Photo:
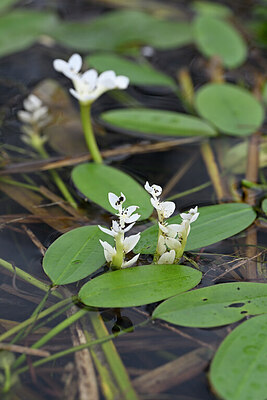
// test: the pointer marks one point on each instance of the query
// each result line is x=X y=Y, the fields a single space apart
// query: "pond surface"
x=162 y=360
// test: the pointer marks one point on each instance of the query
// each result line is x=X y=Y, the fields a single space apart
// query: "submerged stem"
x=89 y=133
x=58 y=181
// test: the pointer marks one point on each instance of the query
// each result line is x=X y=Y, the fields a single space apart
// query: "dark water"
x=148 y=347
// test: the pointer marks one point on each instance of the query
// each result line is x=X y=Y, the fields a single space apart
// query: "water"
x=22 y=236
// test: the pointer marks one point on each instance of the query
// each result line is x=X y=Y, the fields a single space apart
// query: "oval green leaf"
x=235 y=160
x=233 y=110
x=215 y=37
x=135 y=286
x=95 y=181
x=139 y=74
x=214 y=305
x=214 y=223
x=264 y=206
x=92 y=35
x=239 y=368
x=211 y=9
x=157 y=122
x=20 y=29
x=75 y=255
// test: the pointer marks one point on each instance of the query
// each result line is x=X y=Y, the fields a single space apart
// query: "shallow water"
x=157 y=343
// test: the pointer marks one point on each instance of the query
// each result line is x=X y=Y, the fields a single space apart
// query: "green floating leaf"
x=215 y=37
x=5 y=4
x=233 y=110
x=128 y=28
x=235 y=160
x=264 y=206
x=158 y=122
x=75 y=255
x=20 y=29
x=214 y=223
x=139 y=74
x=211 y=9
x=214 y=305
x=95 y=181
x=135 y=286
x=239 y=368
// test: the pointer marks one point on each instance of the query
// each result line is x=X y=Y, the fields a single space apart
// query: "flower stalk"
x=88 y=86
x=34 y=118
x=115 y=256
x=85 y=110
x=171 y=237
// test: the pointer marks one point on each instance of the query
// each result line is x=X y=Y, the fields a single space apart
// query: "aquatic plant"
x=171 y=237
x=88 y=86
x=115 y=256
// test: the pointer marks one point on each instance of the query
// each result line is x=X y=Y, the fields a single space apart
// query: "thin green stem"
x=193 y=190
x=30 y=320
x=78 y=348
x=58 y=181
x=27 y=277
x=89 y=133
x=52 y=333
x=35 y=313
x=20 y=184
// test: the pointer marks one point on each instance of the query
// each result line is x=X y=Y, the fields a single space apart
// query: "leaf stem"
x=89 y=133
x=27 y=277
x=52 y=333
x=58 y=181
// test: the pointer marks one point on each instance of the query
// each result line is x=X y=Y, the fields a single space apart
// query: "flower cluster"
x=115 y=256
x=172 y=237
x=88 y=86
x=35 y=116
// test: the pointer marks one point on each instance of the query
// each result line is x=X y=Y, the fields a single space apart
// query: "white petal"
x=130 y=210
x=161 y=245
x=155 y=203
x=112 y=198
x=167 y=258
x=25 y=116
x=168 y=208
x=157 y=190
x=109 y=251
x=163 y=228
x=77 y=95
x=116 y=227
x=194 y=217
x=173 y=244
x=128 y=228
x=174 y=229
x=130 y=242
x=130 y=262
x=40 y=113
x=107 y=79
x=107 y=231
x=132 y=218
x=32 y=102
x=60 y=65
x=75 y=62
x=185 y=216
x=148 y=187
x=122 y=82
x=90 y=77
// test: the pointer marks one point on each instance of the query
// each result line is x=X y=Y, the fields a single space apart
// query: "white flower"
x=69 y=68
x=132 y=261
x=126 y=215
x=191 y=215
x=109 y=251
x=116 y=255
x=167 y=258
x=89 y=86
x=164 y=208
x=35 y=113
